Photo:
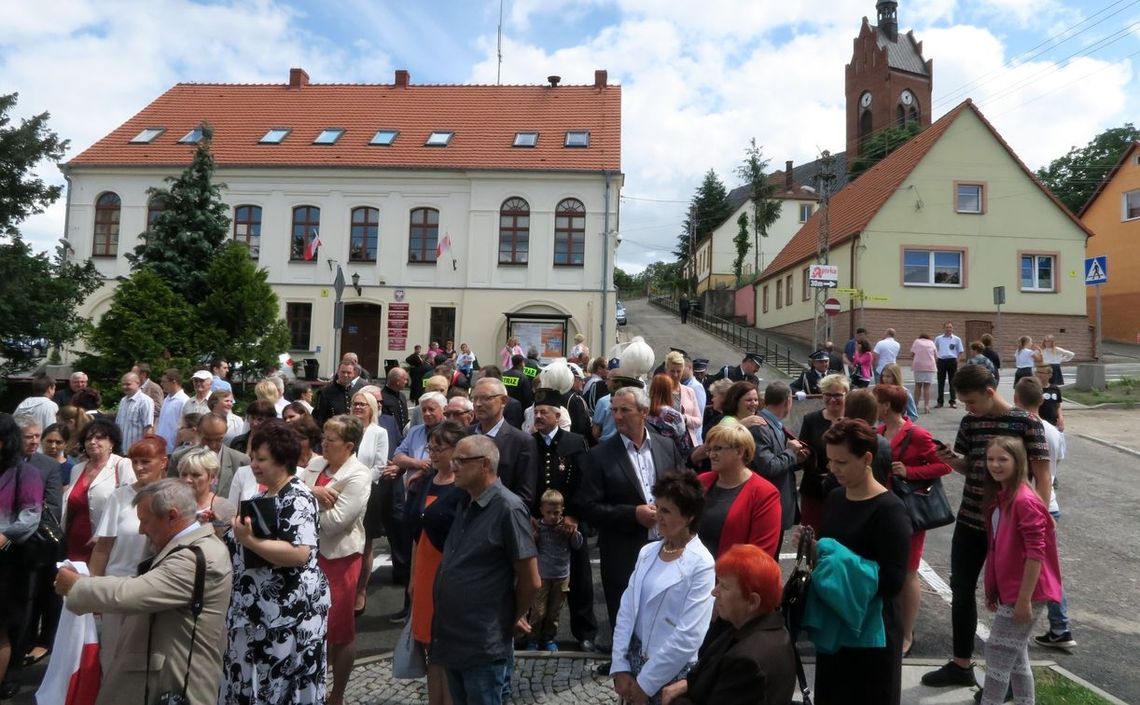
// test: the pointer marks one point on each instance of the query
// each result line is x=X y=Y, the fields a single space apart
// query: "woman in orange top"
x=431 y=510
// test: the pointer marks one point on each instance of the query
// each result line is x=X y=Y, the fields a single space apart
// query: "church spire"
x=888 y=18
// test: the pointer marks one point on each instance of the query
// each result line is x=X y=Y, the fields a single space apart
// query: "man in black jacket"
x=392 y=401
x=336 y=397
x=519 y=382
x=518 y=468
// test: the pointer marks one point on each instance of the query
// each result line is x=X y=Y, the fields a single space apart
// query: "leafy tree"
x=742 y=244
x=624 y=281
x=147 y=322
x=191 y=229
x=765 y=208
x=239 y=315
x=1074 y=177
x=709 y=208
x=880 y=145
x=21 y=148
x=664 y=276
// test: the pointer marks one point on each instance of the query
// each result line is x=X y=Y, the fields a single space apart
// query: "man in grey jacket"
x=778 y=455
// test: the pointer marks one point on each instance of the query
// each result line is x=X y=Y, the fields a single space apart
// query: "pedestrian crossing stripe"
x=1094 y=273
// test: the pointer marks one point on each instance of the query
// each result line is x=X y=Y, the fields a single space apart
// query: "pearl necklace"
x=671 y=551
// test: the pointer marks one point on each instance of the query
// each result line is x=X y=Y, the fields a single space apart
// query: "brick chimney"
x=298 y=78
x=402 y=78
x=601 y=77
x=788 y=175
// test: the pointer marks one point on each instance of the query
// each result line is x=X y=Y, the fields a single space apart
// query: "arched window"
x=900 y=116
x=913 y=118
x=365 y=232
x=305 y=242
x=154 y=208
x=247 y=228
x=864 y=126
x=107 y=210
x=423 y=235
x=570 y=233
x=514 y=231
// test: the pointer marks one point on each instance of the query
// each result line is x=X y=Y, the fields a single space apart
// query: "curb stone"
x=1110 y=444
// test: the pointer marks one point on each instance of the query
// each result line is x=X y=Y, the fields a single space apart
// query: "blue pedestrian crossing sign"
x=1096 y=270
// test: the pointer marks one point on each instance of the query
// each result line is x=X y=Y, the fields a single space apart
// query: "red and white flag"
x=73 y=674
x=312 y=245
x=443 y=245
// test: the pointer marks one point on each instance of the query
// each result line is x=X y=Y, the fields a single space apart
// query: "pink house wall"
x=745 y=303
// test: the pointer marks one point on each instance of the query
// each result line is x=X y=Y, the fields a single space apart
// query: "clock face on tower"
x=865 y=101
x=907 y=97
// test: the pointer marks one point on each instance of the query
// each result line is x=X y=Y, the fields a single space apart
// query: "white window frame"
x=1037 y=257
x=931 y=253
x=805 y=212
x=525 y=139
x=148 y=135
x=1135 y=195
x=577 y=139
x=439 y=138
x=958 y=198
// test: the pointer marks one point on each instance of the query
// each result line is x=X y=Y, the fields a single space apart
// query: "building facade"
x=462 y=213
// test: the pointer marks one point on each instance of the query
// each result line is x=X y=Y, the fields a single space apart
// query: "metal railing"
x=747 y=339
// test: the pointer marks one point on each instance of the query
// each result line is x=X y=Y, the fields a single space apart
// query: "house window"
x=1131 y=205
x=788 y=290
x=526 y=139
x=154 y=208
x=570 y=233
x=970 y=198
x=514 y=231
x=779 y=294
x=384 y=138
x=1038 y=272
x=439 y=139
x=365 y=231
x=299 y=318
x=441 y=324
x=148 y=135
x=932 y=268
x=764 y=299
x=805 y=212
x=329 y=136
x=247 y=228
x=107 y=210
x=193 y=136
x=577 y=138
x=305 y=241
x=806 y=284
x=274 y=136
x=423 y=235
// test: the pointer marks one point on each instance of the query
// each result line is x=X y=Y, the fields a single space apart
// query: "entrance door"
x=974 y=331
x=361 y=335
x=442 y=327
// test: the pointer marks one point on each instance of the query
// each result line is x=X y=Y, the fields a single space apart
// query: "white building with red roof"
x=463 y=212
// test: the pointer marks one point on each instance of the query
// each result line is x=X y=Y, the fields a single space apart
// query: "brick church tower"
x=888 y=82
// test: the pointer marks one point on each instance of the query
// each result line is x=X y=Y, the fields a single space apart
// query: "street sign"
x=1096 y=270
x=338 y=283
x=831 y=307
x=999 y=295
x=823 y=276
x=338 y=315
x=849 y=292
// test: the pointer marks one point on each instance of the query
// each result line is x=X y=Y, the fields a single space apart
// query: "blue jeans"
x=485 y=684
x=1059 y=611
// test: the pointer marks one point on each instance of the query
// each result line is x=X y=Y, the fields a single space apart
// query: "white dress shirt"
x=135 y=414
x=170 y=418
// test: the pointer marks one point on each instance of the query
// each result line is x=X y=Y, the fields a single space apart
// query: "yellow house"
x=1113 y=213
x=926 y=235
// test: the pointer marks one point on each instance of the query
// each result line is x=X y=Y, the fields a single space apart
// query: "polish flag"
x=313 y=244
x=73 y=674
x=443 y=245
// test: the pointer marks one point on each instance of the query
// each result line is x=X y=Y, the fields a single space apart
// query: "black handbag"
x=795 y=597
x=925 y=500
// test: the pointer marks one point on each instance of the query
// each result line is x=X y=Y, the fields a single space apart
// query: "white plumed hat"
x=636 y=357
x=557 y=375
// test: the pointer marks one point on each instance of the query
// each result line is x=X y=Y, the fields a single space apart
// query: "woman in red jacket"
x=914 y=457
x=740 y=506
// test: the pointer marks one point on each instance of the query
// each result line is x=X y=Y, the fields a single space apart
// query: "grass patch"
x=1054 y=689
x=1125 y=391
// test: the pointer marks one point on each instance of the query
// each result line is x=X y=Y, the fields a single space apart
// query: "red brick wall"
x=1072 y=332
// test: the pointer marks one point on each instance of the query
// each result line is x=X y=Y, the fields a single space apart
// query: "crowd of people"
x=489 y=489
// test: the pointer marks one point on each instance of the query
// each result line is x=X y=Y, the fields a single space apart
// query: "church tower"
x=888 y=82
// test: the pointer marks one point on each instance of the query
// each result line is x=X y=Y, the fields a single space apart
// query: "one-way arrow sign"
x=1096 y=270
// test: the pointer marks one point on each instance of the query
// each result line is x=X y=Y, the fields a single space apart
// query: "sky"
x=699 y=79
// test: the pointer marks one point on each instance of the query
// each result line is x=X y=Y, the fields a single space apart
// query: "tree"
x=742 y=244
x=21 y=149
x=239 y=316
x=664 y=277
x=879 y=145
x=190 y=231
x=765 y=209
x=623 y=281
x=1074 y=177
x=708 y=209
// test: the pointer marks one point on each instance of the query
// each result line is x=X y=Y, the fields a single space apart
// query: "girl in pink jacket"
x=1022 y=570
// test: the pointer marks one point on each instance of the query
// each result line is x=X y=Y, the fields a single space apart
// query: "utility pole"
x=692 y=252
x=499 y=68
x=821 y=331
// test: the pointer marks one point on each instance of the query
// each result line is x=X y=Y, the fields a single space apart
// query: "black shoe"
x=398 y=617
x=938 y=405
x=588 y=646
x=603 y=669
x=1008 y=695
x=950 y=674
x=1056 y=641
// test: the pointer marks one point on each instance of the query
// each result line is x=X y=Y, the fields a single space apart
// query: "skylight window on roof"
x=384 y=138
x=148 y=135
x=329 y=136
x=192 y=137
x=526 y=139
x=275 y=136
x=577 y=138
x=439 y=139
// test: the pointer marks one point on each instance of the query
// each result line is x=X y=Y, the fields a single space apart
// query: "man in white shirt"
x=199 y=403
x=136 y=411
x=949 y=348
x=149 y=387
x=40 y=406
x=885 y=353
x=170 y=416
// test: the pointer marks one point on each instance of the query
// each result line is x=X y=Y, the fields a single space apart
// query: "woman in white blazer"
x=341 y=485
x=373 y=448
x=92 y=483
x=667 y=607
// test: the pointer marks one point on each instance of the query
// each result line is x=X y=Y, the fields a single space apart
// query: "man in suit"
x=561 y=455
x=616 y=492
x=211 y=431
x=336 y=397
x=157 y=603
x=518 y=467
x=391 y=400
x=777 y=455
x=746 y=371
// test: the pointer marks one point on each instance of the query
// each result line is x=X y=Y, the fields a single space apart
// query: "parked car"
x=621 y=318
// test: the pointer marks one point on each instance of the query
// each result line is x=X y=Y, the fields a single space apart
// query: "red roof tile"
x=853 y=207
x=483 y=118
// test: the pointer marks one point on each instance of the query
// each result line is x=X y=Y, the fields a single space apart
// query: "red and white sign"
x=398 y=314
x=823 y=276
x=831 y=307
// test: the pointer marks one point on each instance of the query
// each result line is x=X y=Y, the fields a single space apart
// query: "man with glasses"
x=460 y=410
x=517 y=466
x=487 y=578
x=211 y=432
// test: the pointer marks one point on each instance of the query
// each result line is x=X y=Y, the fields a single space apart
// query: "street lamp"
x=356 y=283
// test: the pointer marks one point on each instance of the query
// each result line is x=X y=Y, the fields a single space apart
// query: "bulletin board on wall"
x=546 y=332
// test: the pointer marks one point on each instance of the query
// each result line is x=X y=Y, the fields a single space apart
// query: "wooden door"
x=361 y=335
x=974 y=331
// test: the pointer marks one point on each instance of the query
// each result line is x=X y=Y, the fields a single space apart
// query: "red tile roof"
x=483 y=118
x=1111 y=174
x=853 y=207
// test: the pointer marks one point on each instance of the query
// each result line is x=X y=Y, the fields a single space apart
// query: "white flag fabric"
x=73 y=674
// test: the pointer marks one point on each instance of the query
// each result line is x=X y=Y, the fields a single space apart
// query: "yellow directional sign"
x=849 y=292
x=875 y=298
x=860 y=294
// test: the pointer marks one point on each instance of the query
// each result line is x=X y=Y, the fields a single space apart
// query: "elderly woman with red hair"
x=751 y=663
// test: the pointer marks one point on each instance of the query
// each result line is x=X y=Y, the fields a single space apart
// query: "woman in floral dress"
x=278 y=614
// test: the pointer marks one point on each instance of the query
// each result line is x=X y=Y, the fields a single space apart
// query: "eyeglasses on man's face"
x=461 y=460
